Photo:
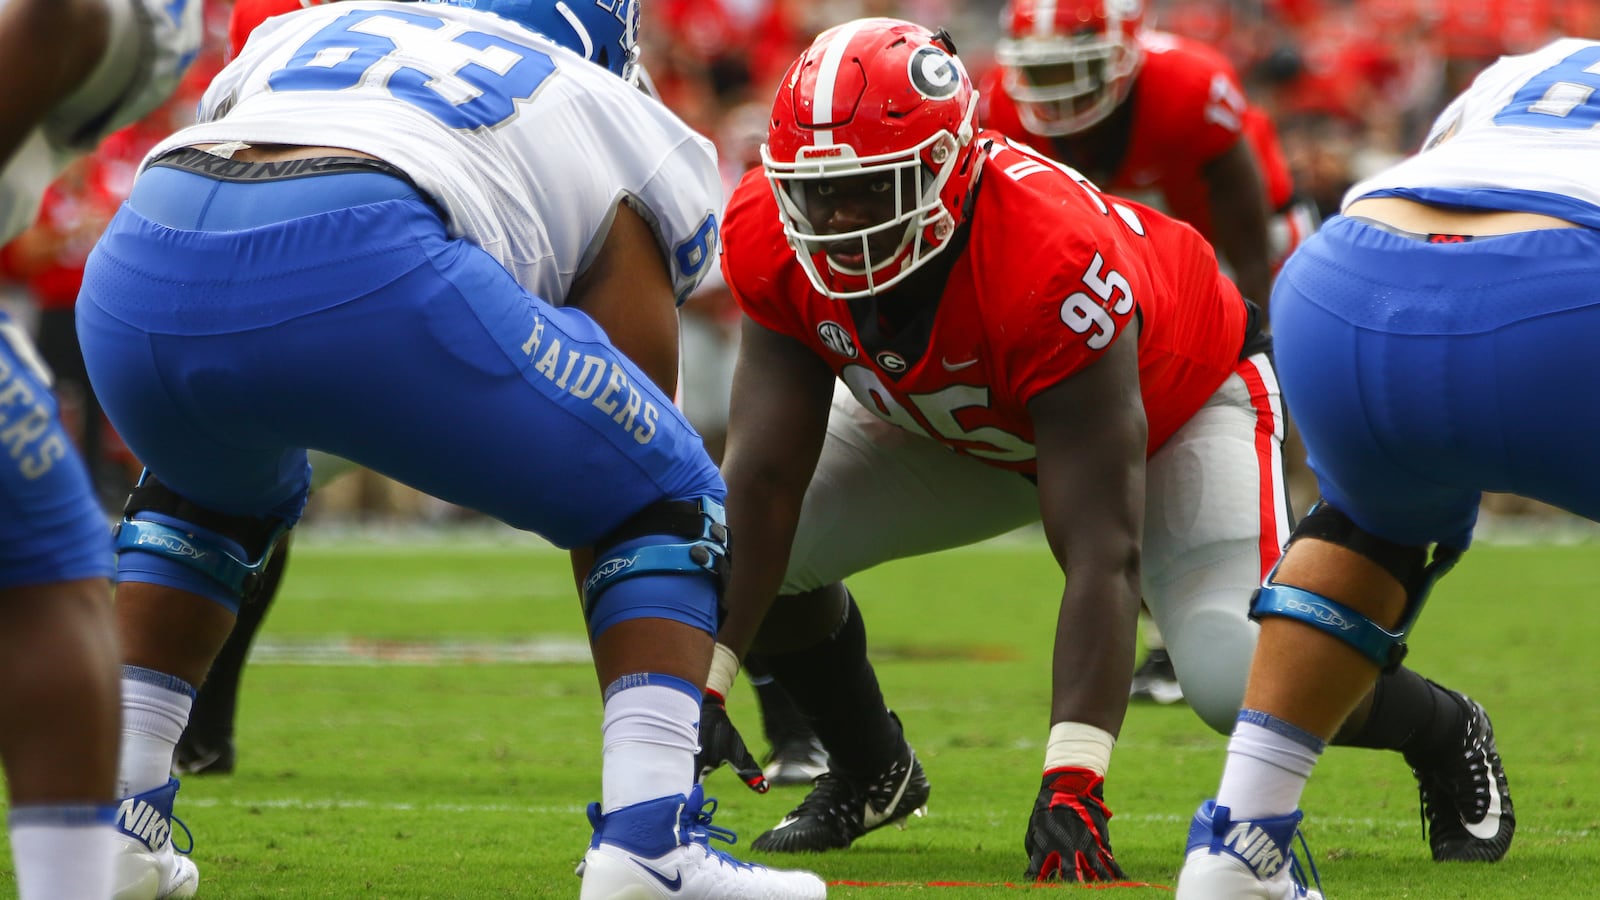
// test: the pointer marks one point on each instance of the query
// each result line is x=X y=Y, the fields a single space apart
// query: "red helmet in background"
x=880 y=101
x=1069 y=63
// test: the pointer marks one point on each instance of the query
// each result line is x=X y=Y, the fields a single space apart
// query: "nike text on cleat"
x=148 y=866
x=1248 y=859
x=1466 y=801
x=840 y=809
x=661 y=849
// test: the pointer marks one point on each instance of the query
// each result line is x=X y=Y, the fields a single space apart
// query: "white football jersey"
x=526 y=146
x=1524 y=137
x=152 y=44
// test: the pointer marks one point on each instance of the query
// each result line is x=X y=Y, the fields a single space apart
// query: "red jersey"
x=247 y=14
x=1187 y=109
x=1052 y=273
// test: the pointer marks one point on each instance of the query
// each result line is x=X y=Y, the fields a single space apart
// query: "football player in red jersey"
x=1142 y=111
x=247 y=14
x=913 y=286
x=1136 y=110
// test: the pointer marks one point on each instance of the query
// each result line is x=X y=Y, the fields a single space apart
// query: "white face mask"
x=902 y=231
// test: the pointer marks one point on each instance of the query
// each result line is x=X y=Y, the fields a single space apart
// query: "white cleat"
x=147 y=866
x=1243 y=860
x=661 y=849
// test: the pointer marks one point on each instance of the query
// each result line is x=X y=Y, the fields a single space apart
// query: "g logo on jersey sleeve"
x=934 y=73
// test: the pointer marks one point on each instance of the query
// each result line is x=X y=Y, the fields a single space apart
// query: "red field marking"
x=1028 y=885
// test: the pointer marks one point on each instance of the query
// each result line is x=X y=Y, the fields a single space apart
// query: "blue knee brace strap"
x=1384 y=648
x=703 y=522
x=1408 y=565
x=229 y=550
x=195 y=551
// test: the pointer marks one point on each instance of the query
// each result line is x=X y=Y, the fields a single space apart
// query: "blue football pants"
x=228 y=326
x=51 y=526
x=1421 y=374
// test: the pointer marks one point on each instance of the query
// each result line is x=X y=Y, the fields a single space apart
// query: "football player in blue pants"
x=66 y=67
x=436 y=242
x=1432 y=340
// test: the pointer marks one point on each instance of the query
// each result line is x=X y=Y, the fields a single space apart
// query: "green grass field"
x=384 y=751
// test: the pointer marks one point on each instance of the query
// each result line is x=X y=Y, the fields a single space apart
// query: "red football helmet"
x=1068 y=64
x=870 y=153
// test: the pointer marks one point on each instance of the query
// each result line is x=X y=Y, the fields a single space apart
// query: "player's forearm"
x=1253 y=277
x=761 y=524
x=1094 y=647
x=51 y=47
x=1243 y=240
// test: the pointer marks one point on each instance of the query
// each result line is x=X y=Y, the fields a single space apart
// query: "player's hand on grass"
x=720 y=743
x=1067 y=837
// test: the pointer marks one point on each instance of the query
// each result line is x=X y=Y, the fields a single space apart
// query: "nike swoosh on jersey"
x=956 y=367
x=1486 y=828
x=671 y=884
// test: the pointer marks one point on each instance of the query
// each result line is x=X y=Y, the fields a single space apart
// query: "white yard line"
x=537 y=650
x=1399 y=824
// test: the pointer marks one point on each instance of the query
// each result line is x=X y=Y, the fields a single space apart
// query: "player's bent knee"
x=796 y=622
x=668 y=562
x=1410 y=566
x=165 y=539
x=1211 y=649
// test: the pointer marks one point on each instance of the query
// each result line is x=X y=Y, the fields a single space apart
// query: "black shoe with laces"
x=1466 y=802
x=798 y=760
x=1155 y=680
x=840 y=809
x=200 y=755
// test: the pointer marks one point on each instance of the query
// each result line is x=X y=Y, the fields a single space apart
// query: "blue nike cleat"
x=661 y=849
x=1249 y=859
x=148 y=865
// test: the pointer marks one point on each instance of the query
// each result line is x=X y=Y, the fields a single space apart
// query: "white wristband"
x=1080 y=746
x=724 y=666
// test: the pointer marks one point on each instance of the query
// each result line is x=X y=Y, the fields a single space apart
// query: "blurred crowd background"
x=1351 y=85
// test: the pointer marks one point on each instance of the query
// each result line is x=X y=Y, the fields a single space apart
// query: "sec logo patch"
x=835 y=338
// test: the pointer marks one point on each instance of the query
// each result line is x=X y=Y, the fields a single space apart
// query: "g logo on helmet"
x=934 y=73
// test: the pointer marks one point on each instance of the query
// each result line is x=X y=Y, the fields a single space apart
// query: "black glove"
x=1067 y=837
x=720 y=743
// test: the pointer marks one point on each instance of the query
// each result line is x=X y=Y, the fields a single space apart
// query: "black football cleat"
x=1466 y=802
x=1156 y=681
x=203 y=756
x=840 y=809
x=799 y=760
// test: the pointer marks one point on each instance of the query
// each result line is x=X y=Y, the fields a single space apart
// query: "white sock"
x=1269 y=761
x=61 y=851
x=155 y=709
x=648 y=740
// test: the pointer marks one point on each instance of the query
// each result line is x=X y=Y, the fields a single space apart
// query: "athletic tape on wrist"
x=1074 y=744
x=724 y=666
